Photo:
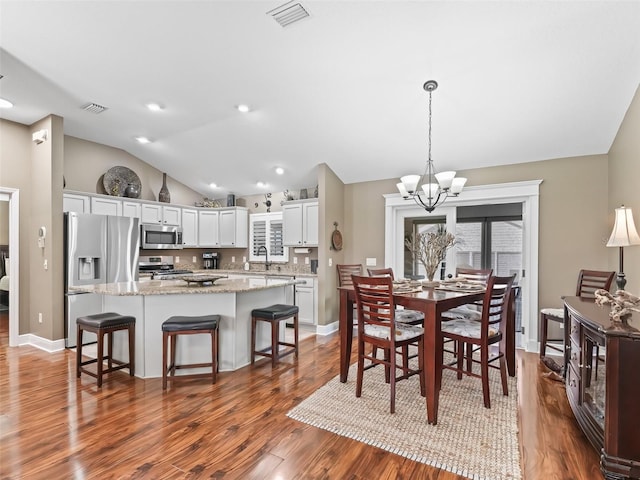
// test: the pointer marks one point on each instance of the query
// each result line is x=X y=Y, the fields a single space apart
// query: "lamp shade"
x=624 y=230
x=410 y=182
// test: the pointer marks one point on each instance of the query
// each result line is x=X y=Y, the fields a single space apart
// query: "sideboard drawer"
x=574 y=329
x=575 y=357
x=573 y=384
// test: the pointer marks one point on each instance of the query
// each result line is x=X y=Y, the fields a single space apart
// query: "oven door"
x=161 y=237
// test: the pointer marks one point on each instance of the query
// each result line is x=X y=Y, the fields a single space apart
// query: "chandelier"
x=436 y=187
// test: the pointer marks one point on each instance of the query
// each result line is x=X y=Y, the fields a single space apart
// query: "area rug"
x=469 y=440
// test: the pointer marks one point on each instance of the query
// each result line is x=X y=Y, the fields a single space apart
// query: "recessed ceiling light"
x=4 y=103
x=243 y=108
x=279 y=170
x=261 y=184
x=213 y=185
x=155 y=107
x=143 y=140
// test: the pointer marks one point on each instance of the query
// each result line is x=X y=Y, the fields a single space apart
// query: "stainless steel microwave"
x=160 y=236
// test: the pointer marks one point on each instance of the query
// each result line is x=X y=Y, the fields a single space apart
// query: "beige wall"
x=331 y=209
x=624 y=188
x=573 y=217
x=46 y=290
x=85 y=164
x=15 y=172
x=4 y=223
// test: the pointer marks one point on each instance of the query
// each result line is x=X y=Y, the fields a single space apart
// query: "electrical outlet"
x=176 y=259
x=371 y=262
x=306 y=261
x=194 y=259
x=46 y=264
x=244 y=259
x=39 y=317
x=295 y=260
x=233 y=259
x=330 y=262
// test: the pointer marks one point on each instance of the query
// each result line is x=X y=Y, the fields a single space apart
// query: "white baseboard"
x=327 y=329
x=47 y=345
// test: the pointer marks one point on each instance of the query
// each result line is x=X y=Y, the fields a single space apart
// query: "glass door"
x=491 y=236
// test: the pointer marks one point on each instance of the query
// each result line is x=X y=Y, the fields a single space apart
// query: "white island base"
x=234 y=341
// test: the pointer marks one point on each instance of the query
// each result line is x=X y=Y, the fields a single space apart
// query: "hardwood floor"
x=53 y=426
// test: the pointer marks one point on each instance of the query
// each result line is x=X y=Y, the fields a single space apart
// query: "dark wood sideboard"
x=602 y=367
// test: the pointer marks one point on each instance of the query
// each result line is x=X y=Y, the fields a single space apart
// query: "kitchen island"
x=153 y=301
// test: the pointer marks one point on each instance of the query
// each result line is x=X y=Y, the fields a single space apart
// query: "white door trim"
x=527 y=193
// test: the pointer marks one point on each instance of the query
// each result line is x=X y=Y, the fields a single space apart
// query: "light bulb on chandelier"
x=436 y=187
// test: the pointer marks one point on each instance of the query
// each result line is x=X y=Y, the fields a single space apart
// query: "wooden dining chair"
x=345 y=270
x=588 y=282
x=481 y=335
x=404 y=315
x=471 y=311
x=377 y=326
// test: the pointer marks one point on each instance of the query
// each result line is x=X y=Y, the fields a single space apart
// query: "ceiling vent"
x=288 y=13
x=93 y=108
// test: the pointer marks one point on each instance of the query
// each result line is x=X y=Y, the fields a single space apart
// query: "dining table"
x=432 y=301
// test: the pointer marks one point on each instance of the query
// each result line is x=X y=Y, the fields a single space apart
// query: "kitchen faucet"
x=266 y=256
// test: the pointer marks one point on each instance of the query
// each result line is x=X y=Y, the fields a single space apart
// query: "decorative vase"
x=164 y=195
x=131 y=191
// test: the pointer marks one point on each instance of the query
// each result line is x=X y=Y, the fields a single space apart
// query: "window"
x=266 y=230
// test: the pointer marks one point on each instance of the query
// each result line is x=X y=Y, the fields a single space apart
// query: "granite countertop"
x=179 y=287
x=268 y=273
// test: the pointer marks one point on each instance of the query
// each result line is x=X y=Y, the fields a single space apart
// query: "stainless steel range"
x=159 y=266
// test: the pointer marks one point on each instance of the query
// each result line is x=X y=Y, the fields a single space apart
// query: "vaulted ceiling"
x=519 y=81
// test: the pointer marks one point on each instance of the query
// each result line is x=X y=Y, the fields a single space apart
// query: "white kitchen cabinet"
x=234 y=228
x=72 y=202
x=131 y=208
x=189 y=227
x=306 y=300
x=106 y=206
x=161 y=214
x=208 y=228
x=301 y=223
x=227 y=227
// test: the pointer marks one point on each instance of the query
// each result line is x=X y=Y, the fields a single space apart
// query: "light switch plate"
x=306 y=260
x=233 y=259
x=371 y=262
x=295 y=260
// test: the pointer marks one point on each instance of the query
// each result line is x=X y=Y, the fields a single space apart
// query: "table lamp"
x=624 y=234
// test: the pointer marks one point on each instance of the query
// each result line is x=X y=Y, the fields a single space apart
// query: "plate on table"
x=463 y=287
x=200 y=279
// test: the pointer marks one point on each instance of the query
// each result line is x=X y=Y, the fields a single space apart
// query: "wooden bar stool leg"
x=165 y=341
x=214 y=355
x=295 y=333
x=174 y=348
x=109 y=350
x=253 y=339
x=543 y=340
x=275 y=341
x=100 y=355
x=132 y=350
x=78 y=350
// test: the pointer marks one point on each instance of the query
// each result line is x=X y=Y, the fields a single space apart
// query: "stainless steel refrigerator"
x=99 y=249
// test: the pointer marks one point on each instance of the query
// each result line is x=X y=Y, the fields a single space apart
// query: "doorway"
x=11 y=196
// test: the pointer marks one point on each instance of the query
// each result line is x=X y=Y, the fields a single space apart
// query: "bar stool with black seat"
x=274 y=314
x=185 y=325
x=101 y=324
